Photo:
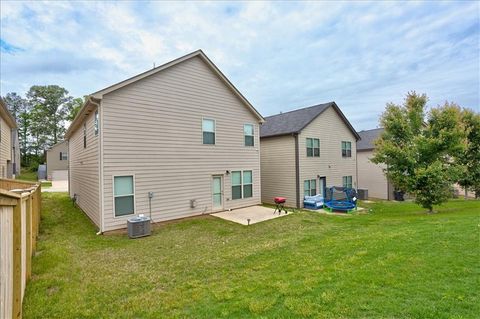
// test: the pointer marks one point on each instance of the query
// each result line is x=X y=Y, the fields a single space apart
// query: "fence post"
x=28 y=224
x=17 y=260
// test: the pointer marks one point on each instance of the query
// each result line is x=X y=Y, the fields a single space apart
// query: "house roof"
x=294 y=122
x=368 y=139
x=56 y=145
x=5 y=114
x=96 y=97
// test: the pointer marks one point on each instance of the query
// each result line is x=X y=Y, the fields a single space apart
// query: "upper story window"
x=346 y=149
x=63 y=156
x=313 y=147
x=248 y=132
x=208 y=129
x=96 y=123
x=347 y=181
x=84 y=135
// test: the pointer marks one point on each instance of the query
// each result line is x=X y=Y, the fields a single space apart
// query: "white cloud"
x=280 y=55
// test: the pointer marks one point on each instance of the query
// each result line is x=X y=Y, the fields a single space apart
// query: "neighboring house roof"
x=96 y=97
x=5 y=114
x=368 y=139
x=56 y=145
x=294 y=122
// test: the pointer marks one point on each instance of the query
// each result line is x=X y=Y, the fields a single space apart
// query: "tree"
x=470 y=158
x=419 y=149
x=15 y=104
x=20 y=108
x=73 y=107
x=49 y=112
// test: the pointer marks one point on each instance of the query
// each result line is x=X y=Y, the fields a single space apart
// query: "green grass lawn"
x=396 y=262
x=27 y=175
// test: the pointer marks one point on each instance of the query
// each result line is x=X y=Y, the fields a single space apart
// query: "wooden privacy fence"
x=20 y=204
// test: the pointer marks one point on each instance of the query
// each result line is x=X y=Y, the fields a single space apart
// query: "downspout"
x=356 y=166
x=297 y=170
x=100 y=166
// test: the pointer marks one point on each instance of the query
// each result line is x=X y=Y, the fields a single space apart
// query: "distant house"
x=9 y=144
x=176 y=141
x=371 y=176
x=306 y=150
x=57 y=161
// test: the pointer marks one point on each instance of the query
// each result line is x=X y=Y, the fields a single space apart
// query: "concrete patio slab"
x=255 y=214
x=57 y=186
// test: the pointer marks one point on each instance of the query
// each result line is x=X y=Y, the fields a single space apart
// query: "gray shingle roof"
x=368 y=139
x=295 y=121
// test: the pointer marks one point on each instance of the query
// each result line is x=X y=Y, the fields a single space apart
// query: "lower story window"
x=124 y=195
x=310 y=187
x=247 y=184
x=347 y=181
x=242 y=184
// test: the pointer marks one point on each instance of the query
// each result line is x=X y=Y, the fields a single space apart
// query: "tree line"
x=426 y=151
x=41 y=116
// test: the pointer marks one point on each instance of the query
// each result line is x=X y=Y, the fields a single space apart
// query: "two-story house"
x=9 y=144
x=176 y=141
x=305 y=151
x=57 y=161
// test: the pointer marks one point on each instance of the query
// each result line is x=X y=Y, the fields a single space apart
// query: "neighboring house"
x=9 y=144
x=370 y=175
x=306 y=150
x=181 y=131
x=57 y=162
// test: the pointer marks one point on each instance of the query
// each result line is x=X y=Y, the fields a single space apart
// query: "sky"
x=280 y=55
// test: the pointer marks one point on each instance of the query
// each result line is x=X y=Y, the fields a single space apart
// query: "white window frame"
x=134 y=196
x=313 y=146
x=214 y=130
x=345 y=181
x=253 y=134
x=310 y=187
x=64 y=156
x=242 y=183
x=347 y=149
x=96 y=122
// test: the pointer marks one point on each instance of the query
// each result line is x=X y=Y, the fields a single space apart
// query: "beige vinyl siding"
x=371 y=176
x=5 y=147
x=331 y=130
x=84 y=170
x=278 y=169
x=53 y=158
x=152 y=129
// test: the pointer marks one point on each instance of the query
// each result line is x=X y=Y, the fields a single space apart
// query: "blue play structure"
x=341 y=199
x=313 y=202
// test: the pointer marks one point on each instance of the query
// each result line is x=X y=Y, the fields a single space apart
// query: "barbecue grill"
x=280 y=202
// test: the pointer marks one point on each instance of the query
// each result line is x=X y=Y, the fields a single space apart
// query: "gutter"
x=73 y=125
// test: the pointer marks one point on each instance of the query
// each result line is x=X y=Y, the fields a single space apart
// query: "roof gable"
x=6 y=115
x=95 y=98
x=294 y=122
x=53 y=147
